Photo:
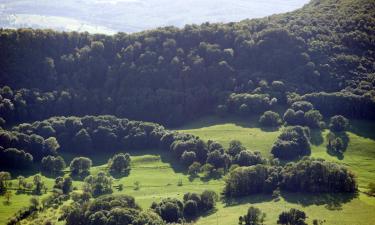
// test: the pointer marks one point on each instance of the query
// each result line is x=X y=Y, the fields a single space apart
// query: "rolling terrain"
x=159 y=175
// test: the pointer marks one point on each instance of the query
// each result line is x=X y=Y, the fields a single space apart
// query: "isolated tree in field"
x=80 y=166
x=34 y=202
x=338 y=123
x=4 y=177
x=64 y=183
x=292 y=217
x=38 y=184
x=253 y=217
x=119 y=164
x=21 y=182
x=270 y=119
x=8 y=195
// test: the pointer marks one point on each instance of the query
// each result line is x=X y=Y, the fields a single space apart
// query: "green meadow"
x=160 y=177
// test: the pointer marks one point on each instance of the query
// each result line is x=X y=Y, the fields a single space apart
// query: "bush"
x=80 y=166
x=302 y=105
x=253 y=217
x=248 y=158
x=292 y=143
x=270 y=119
x=169 y=209
x=338 y=123
x=293 y=216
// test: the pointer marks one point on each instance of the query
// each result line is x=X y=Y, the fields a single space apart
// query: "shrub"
x=253 y=217
x=293 y=216
x=292 y=143
x=270 y=119
x=338 y=123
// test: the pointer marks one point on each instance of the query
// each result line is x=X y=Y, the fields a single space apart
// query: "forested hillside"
x=322 y=53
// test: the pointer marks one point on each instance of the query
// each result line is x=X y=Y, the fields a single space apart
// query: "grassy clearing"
x=159 y=176
x=335 y=209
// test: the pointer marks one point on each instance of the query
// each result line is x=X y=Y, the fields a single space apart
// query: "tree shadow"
x=331 y=201
x=51 y=175
x=252 y=199
x=269 y=129
x=363 y=128
x=120 y=175
x=6 y=203
x=316 y=137
x=207 y=121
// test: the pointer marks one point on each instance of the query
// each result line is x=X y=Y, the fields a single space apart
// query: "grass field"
x=159 y=177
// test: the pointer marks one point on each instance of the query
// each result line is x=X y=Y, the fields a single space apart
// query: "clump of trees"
x=53 y=165
x=338 y=123
x=317 y=176
x=307 y=175
x=293 y=216
x=80 y=166
x=337 y=139
x=110 y=209
x=98 y=184
x=270 y=119
x=119 y=164
x=292 y=143
x=244 y=181
x=303 y=113
x=173 y=210
x=65 y=184
x=254 y=216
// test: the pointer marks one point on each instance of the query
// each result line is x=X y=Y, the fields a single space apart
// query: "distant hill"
x=102 y=16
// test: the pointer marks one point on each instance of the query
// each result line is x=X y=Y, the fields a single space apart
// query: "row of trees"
x=255 y=216
x=108 y=134
x=306 y=175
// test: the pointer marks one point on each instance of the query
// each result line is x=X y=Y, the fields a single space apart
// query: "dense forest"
x=322 y=53
x=307 y=72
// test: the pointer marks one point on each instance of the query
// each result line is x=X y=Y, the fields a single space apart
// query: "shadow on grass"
x=6 y=203
x=363 y=128
x=269 y=129
x=316 y=137
x=332 y=201
x=248 y=122
x=252 y=199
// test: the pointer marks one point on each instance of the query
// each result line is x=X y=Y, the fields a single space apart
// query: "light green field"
x=337 y=209
x=159 y=176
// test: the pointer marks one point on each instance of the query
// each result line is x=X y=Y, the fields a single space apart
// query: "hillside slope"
x=171 y=75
